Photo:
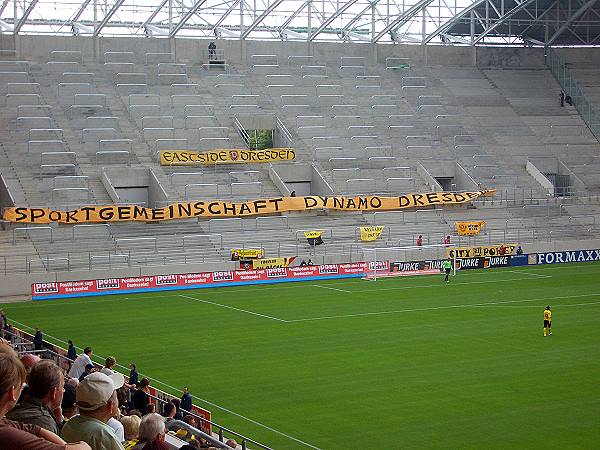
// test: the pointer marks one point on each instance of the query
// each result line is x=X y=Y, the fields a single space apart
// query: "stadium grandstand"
x=192 y=144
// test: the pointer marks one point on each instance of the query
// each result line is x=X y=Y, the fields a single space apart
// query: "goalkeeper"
x=447 y=266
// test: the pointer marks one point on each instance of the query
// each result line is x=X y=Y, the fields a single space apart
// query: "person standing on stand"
x=212 y=51
x=562 y=99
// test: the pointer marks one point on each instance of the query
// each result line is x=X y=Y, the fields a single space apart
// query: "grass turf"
x=409 y=363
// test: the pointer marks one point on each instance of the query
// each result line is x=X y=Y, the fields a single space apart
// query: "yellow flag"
x=469 y=228
x=312 y=234
x=371 y=233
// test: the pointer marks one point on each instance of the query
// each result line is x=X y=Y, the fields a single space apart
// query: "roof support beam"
x=108 y=16
x=224 y=16
x=4 y=5
x=450 y=23
x=80 y=11
x=23 y=19
x=188 y=16
x=331 y=18
x=154 y=13
x=587 y=5
x=403 y=18
x=294 y=15
x=356 y=18
x=260 y=18
x=503 y=19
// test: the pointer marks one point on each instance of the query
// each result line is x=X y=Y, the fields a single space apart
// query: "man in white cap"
x=97 y=401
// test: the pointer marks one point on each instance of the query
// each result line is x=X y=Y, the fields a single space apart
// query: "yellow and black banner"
x=246 y=253
x=312 y=234
x=222 y=156
x=371 y=233
x=481 y=251
x=214 y=209
x=270 y=263
x=469 y=228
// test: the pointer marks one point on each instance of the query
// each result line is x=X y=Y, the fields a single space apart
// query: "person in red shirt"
x=420 y=241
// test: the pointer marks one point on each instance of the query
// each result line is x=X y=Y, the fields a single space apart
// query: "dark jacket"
x=32 y=410
x=186 y=402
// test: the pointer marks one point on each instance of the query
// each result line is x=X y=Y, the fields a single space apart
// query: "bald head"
x=29 y=360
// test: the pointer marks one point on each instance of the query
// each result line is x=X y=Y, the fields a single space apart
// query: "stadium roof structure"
x=451 y=22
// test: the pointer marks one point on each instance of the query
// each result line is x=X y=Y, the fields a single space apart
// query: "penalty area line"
x=434 y=308
x=234 y=308
x=333 y=289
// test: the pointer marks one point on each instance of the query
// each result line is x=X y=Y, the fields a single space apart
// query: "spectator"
x=190 y=420
x=133 y=375
x=150 y=408
x=569 y=100
x=447 y=240
x=293 y=194
x=169 y=412
x=231 y=443
x=69 y=405
x=177 y=403
x=80 y=362
x=502 y=250
x=519 y=250
x=71 y=351
x=212 y=50
x=29 y=360
x=131 y=427
x=140 y=397
x=41 y=405
x=186 y=400
x=152 y=433
x=3 y=322
x=17 y=435
x=38 y=340
x=97 y=402
x=109 y=366
x=562 y=98
x=117 y=426
x=309 y=263
x=88 y=369
x=420 y=241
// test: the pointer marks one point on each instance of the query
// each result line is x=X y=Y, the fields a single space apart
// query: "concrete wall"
x=240 y=52
x=5 y=197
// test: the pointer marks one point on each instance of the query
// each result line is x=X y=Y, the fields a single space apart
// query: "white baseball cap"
x=96 y=389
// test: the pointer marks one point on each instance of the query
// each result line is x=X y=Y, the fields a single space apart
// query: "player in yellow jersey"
x=548 y=320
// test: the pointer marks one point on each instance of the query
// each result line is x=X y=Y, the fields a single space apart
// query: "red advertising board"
x=40 y=291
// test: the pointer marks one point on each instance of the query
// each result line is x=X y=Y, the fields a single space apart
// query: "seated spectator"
x=177 y=403
x=152 y=433
x=117 y=426
x=3 y=322
x=80 y=362
x=131 y=427
x=29 y=360
x=169 y=412
x=109 y=366
x=97 y=402
x=150 y=408
x=140 y=397
x=44 y=397
x=519 y=250
x=231 y=443
x=69 y=405
x=190 y=420
x=90 y=368
x=18 y=435
x=502 y=250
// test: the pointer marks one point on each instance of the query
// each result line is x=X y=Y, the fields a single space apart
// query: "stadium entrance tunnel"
x=139 y=186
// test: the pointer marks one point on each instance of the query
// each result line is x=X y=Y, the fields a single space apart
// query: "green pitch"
x=398 y=363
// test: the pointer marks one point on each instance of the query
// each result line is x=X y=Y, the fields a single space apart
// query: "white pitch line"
x=433 y=308
x=234 y=308
x=553 y=306
x=174 y=389
x=333 y=289
x=533 y=274
x=434 y=285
